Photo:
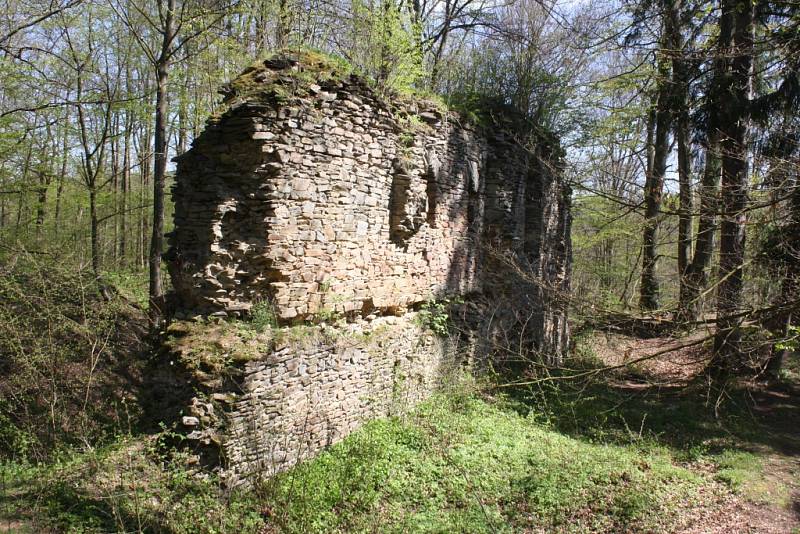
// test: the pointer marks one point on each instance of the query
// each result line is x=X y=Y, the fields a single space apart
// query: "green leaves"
x=387 y=45
x=434 y=314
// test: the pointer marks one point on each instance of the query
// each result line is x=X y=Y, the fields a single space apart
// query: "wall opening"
x=431 y=194
x=409 y=204
x=398 y=197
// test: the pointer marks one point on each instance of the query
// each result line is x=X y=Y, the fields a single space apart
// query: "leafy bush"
x=262 y=316
x=434 y=315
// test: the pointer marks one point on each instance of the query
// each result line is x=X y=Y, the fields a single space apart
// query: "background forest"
x=680 y=123
x=679 y=120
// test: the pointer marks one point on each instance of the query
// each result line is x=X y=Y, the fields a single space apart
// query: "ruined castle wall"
x=298 y=400
x=316 y=198
x=326 y=201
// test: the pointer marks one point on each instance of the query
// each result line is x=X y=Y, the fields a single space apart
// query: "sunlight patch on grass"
x=744 y=473
x=463 y=465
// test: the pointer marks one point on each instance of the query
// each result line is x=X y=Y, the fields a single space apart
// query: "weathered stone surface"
x=323 y=203
x=332 y=205
x=324 y=389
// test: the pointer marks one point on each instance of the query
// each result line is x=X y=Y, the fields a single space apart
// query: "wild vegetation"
x=565 y=457
x=677 y=409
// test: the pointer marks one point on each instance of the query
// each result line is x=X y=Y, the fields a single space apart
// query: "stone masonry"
x=315 y=195
x=298 y=400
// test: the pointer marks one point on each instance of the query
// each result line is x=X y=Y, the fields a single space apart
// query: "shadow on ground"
x=632 y=405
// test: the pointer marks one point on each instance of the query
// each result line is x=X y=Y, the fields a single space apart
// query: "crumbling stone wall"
x=311 y=193
x=315 y=195
x=298 y=400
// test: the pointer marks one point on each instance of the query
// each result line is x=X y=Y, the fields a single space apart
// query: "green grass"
x=554 y=457
x=699 y=426
x=738 y=469
x=744 y=473
x=456 y=464
x=133 y=285
x=461 y=464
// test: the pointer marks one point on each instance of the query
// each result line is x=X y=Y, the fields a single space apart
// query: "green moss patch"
x=283 y=75
x=211 y=350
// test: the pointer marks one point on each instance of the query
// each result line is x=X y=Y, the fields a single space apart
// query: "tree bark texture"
x=733 y=108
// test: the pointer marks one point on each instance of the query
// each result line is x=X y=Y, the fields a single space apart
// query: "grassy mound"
x=461 y=464
x=70 y=365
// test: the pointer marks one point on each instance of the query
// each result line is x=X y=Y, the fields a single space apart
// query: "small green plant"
x=330 y=314
x=131 y=284
x=406 y=140
x=434 y=315
x=743 y=472
x=584 y=355
x=793 y=340
x=262 y=316
x=738 y=469
x=300 y=335
x=410 y=124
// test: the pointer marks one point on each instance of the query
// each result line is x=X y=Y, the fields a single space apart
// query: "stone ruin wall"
x=298 y=400
x=326 y=202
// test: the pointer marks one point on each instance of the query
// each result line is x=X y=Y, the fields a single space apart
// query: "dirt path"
x=658 y=363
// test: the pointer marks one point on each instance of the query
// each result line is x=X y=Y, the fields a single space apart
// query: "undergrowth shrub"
x=70 y=366
x=131 y=485
x=263 y=317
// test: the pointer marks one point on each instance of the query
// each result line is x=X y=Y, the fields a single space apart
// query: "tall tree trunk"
x=734 y=118
x=23 y=206
x=680 y=79
x=41 y=203
x=146 y=140
x=93 y=160
x=181 y=137
x=262 y=19
x=697 y=275
x=788 y=300
x=63 y=172
x=283 y=25
x=160 y=166
x=685 y=204
x=94 y=231
x=125 y=186
x=654 y=188
x=115 y=179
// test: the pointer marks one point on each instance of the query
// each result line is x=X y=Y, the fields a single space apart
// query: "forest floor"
x=768 y=498
x=632 y=439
